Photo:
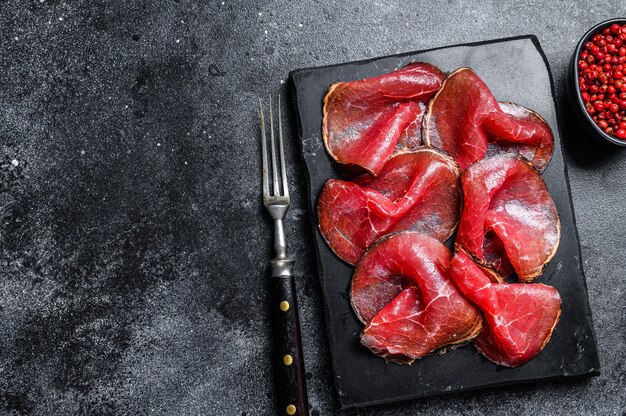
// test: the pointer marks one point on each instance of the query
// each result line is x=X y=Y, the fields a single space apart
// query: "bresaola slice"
x=416 y=191
x=535 y=143
x=465 y=121
x=509 y=221
x=366 y=120
x=519 y=318
x=411 y=137
x=401 y=291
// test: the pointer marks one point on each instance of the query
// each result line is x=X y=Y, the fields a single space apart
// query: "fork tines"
x=278 y=182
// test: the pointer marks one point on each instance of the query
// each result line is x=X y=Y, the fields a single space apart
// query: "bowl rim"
x=579 y=99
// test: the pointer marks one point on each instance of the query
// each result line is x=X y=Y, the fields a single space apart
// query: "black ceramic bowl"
x=574 y=88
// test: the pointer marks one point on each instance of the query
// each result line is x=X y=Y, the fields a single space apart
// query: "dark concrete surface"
x=132 y=245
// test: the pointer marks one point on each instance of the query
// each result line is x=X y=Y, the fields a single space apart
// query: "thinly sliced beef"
x=411 y=137
x=401 y=291
x=416 y=191
x=465 y=120
x=519 y=317
x=365 y=121
x=509 y=221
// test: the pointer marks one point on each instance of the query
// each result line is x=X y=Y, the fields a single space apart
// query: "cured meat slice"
x=411 y=137
x=465 y=120
x=519 y=317
x=364 y=120
x=520 y=130
x=416 y=191
x=509 y=221
x=401 y=291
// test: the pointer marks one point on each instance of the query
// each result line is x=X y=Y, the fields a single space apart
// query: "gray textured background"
x=132 y=245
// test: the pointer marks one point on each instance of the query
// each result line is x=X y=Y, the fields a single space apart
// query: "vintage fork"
x=289 y=364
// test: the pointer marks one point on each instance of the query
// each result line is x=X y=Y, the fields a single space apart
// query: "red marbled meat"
x=509 y=221
x=465 y=120
x=519 y=318
x=365 y=121
x=401 y=291
x=416 y=191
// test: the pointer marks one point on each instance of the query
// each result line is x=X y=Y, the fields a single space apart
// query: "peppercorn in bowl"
x=597 y=81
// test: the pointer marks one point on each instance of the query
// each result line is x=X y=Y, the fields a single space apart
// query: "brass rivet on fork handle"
x=288 y=360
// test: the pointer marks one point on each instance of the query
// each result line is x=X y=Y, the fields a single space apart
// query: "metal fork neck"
x=280 y=243
x=281 y=265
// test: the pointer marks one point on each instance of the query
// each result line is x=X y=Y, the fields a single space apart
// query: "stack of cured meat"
x=427 y=155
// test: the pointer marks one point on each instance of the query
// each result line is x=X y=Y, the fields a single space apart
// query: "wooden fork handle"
x=291 y=396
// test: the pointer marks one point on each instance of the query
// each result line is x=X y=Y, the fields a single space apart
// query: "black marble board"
x=515 y=69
